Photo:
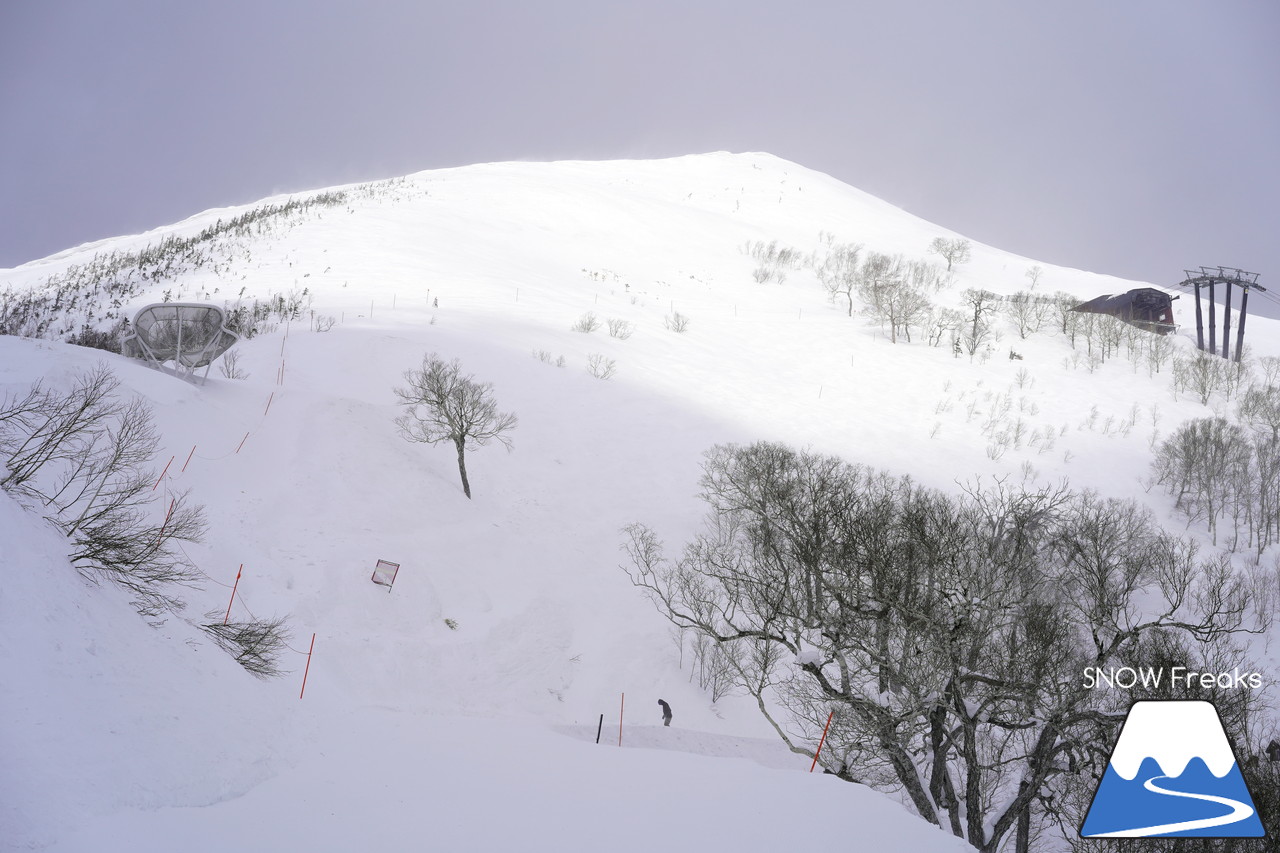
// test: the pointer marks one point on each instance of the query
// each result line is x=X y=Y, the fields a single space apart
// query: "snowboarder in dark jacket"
x=666 y=712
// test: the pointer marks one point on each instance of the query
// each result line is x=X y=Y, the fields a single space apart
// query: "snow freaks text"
x=1148 y=677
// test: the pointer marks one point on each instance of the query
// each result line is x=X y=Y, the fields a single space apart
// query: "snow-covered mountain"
x=1172 y=734
x=460 y=709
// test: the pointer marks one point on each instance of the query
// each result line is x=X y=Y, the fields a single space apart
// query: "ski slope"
x=414 y=734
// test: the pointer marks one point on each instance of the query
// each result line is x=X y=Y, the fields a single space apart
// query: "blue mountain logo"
x=1172 y=774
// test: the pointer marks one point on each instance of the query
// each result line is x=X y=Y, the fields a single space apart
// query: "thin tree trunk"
x=1022 y=843
x=462 y=468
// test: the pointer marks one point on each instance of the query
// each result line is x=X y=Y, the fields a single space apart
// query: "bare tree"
x=838 y=272
x=1027 y=311
x=774 y=262
x=256 y=645
x=82 y=457
x=230 y=365
x=1259 y=407
x=1158 y=351
x=445 y=405
x=1069 y=318
x=587 y=323
x=1203 y=464
x=956 y=251
x=42 y=429
x=1034 y=274
x=908 y=304
x=1199 y=373
x=943 y=323
x=1213 y=467
x=980 y=307
x=896 y=292
x=620 y=329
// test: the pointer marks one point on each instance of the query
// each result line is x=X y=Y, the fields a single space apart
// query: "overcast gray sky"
x=1131 y=137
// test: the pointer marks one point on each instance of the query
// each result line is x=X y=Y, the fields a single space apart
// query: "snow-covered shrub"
x=601 y=367
x=103 y=339
x=773 y=262
x=230 y=366
x=256 y=645
x=587 y=323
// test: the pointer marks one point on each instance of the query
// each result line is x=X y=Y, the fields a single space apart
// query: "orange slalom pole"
x=162 y=473
x=620 y=710
x=233 y=594
x=308 y=669
x=188 y=462
x=165 y=523
x=821 y=742
x=242 y=441
x=268 y=408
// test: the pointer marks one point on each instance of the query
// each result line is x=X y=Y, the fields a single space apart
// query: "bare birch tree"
x=838 y=273
x=955 y=251
x=445 y=405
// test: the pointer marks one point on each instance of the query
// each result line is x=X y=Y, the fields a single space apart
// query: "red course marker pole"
x=167 y=516
x=188 y=462
x=308 y=669
x=242 y=441
x=233 y=594
x=821 y=742
x=268 y=408
x=162 y=473
x=620 y=710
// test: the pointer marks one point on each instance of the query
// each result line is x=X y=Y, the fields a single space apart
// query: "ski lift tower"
x=1227 y=276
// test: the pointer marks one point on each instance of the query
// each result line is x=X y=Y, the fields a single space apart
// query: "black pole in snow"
x=1213 y=321
x=1244 y=307
x=1226 y=325
x=1199 y=320
x=600 y=728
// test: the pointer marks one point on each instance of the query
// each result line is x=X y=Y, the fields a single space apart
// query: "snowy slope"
x=411 y=729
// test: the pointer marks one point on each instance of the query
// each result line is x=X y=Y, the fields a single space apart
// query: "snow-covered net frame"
x=385 y=573
x=188 y=335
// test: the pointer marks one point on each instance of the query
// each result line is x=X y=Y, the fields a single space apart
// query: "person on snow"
x=666 y=712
